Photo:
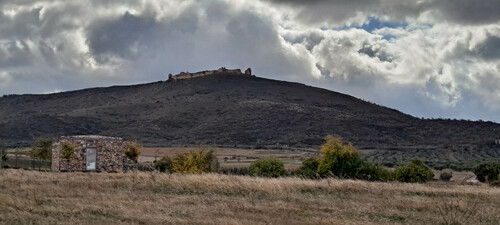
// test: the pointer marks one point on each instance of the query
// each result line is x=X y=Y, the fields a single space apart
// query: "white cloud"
x=438 y=62
x=5 y=78
x=444 y=61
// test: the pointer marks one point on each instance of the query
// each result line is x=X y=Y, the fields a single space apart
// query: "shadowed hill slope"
x=229 y=110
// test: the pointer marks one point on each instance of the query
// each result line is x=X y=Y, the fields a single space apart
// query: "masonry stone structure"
x=90 y=153
x=222 y=70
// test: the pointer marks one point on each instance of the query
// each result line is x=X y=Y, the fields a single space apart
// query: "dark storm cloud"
x=117 y=37
x=490 y=48
x=341 y=11
x=487 y=49
x=328 y=13
x=465 y=11
x=15 y=53
x=23 y=25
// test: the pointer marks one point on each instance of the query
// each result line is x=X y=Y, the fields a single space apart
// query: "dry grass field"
x=30 y=197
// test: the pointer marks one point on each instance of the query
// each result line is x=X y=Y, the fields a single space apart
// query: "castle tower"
x=248 y=72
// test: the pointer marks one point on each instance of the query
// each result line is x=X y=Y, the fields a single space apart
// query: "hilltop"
x=234 y=109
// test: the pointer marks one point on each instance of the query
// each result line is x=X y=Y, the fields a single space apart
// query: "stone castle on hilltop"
x=222 y=70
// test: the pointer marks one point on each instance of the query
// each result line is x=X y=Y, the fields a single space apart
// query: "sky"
x=427 y=58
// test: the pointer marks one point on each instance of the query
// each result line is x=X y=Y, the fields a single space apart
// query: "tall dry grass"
x=30 y=197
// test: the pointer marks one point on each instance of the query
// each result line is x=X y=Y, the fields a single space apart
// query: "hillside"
x=230 y=110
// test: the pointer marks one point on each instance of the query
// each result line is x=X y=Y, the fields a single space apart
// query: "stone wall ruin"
x=110 y=154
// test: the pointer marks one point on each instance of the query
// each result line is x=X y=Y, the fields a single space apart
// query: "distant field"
x=234 y=157
x=457 y=159
x=30 y=197
x=465 y=159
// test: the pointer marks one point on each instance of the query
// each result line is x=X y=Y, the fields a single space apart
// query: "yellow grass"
x=29 y=197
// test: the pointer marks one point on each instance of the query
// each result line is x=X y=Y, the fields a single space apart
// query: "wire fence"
x=26 y=163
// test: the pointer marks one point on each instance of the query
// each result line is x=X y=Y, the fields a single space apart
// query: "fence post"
x=3 y=155
x=17 y=155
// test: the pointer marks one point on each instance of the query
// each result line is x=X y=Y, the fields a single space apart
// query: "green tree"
x=199 y=161
x=488 y=172
x=164 y=164
x=373 y=172
x=338 y=159
x=42 y=149
x=414 y=172
x=68 y=151
x=446 y=176
x=309 y=168
x=132 y=151
x=267 y=167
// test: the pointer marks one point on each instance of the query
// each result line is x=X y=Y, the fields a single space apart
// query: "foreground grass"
x=29 y=197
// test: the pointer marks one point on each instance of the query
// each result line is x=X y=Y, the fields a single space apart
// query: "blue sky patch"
x=374 y=24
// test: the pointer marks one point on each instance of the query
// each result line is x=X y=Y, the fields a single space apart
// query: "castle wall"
x=236 y=71
x=184 y=75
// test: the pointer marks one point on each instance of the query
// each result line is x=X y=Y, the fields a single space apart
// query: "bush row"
x=189 y=162
x=337 y=160
x=343 y=160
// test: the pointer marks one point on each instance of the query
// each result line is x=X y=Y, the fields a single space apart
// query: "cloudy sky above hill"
x=428 y=58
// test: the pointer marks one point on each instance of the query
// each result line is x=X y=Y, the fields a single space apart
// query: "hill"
x=224 y=109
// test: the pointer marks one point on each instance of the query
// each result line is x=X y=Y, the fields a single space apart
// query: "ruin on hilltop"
x=222 y=70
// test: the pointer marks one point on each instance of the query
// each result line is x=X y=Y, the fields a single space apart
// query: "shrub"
x=309 y=169
x=234 y=170
x=42 y=149
x=68 y=151
x=456 y=211
x=446 y=176
x=338 y=159
x=146 y=167
x=164 y=164
x=415 y=171
x=132 y=151
x=372 y=172
x=199 y=161
x=267 y=168
x=488 y=172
